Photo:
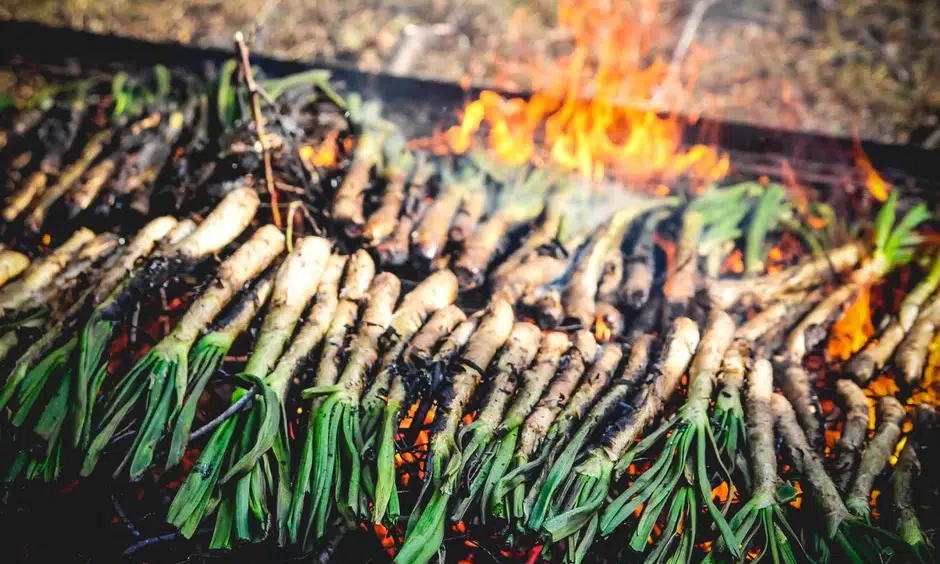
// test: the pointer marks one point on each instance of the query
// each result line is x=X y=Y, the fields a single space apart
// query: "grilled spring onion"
x=426 y=525
x=394 y=249
x=530 y=415
x=520 y=202
x=853 y=539
x=12 y=264
x=762 y=290
x=347 y=202
x=640 y=268
x=220 y=228
x=338 y=440
x=34 y=184
x=588 y=485
x=42 y=272
x=906 y=471
x=420 y=349
x=472 y=438
x=876 y=455
x=578 y=298
x=728 y=412
x=429 y=238
x=680 y=478
x=911 y=355
x=141 y=245
x=763 y=323
x=209 y=352
x=64 y=182
x=878 y=352
x=550 y=228
x=359 y=272
x=164 y=371
x=854 y=432
x=682 y=279
x=381 y=418
x=314 y=331
x=471 y=210
x=763 y=512
x=892 y=241
x=561 y=450
x=398 y=163
x=236 y=458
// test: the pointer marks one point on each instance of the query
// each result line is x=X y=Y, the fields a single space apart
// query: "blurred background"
x=866 y=68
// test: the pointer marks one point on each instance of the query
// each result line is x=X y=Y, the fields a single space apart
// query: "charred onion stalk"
x=682 y=279
x=358 y=276
x=641 y=268
x=163 y=373
x=517 y=204
x=561 y=449
x=906 y=471
x=395 y=248
x=766 y=289
x=42 y=272
x=579 y=295
x=234 y=470
x=220 y=228
x=913 y=351
x=347 y=202
x=891 y=248
x=586 y=488
x=426 y=525
x=430 y=236
x=12 y=264
x=728 y=412
x=398 y=164
x=854 y=432
x=473 y=438
x=472 y=207
x=682 y=478
x=529 y=418
x=420 y=349
x=209 y=352
x=71 y=174
x=876 y=456
x=762 y=516
x=864 y=365
x=852 y=539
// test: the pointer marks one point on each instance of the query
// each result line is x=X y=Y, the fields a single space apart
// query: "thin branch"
x=239 y=405
x=259 y=125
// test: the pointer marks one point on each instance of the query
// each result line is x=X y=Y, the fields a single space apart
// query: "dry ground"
x=829 y=66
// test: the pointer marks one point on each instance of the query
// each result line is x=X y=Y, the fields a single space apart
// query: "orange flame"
x=323 y=154
x=582 y=119
x=853 y=329
x=877 y=186
x=601 y=330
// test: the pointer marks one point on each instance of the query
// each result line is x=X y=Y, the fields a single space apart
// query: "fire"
x=323 y=154
x=853 y=329
x=601 y=330
x=877 y=186
x=595 y=114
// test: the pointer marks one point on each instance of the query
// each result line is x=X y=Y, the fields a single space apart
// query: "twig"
x=259 y=125
x=240 y=404
x=123 y=516
x=162 y=538
x=332 y=543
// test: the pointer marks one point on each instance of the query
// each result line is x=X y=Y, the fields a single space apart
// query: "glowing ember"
x=853 y=329
x=601 y=329
x=586 y=118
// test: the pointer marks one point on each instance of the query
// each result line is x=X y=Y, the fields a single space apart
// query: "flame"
x=601 y=329
x=734 y=263
x=323 y=154
x=720 y=492
x=853 y=329
x=877 y=186
x=595 y=114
